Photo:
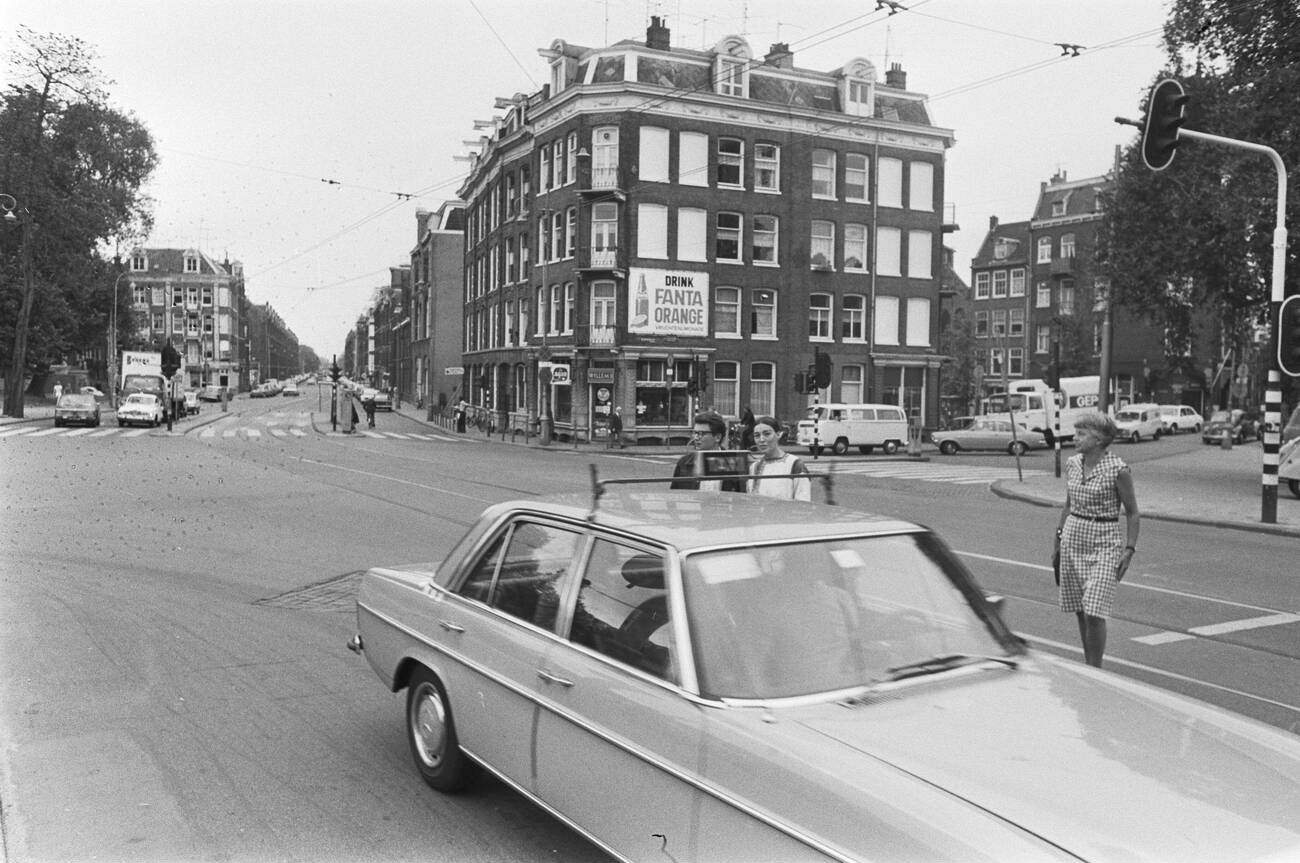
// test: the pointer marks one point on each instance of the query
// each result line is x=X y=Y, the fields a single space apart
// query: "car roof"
x=689 y=520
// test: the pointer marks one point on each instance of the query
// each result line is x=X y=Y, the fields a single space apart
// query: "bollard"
x=1225 y=439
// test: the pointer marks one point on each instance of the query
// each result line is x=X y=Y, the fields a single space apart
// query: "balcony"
x=600 y=260
x=1062 y=266
x=589 y=336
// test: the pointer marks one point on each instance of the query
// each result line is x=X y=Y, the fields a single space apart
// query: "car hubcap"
x=429 y=726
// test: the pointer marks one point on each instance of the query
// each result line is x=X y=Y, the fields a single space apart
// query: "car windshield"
x=1128 y=415
x=139 y=399
x=77 y=401
x=796 y=619
x=1221 y=417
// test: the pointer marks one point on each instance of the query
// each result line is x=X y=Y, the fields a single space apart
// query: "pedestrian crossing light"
x=1165 y=116
x=1288 y=337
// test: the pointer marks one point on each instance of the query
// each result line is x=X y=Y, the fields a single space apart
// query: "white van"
x=840 y=426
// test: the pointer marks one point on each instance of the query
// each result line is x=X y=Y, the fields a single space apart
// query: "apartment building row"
x=665 y=229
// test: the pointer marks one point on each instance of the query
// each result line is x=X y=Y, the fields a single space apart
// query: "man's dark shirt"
x=685 y=468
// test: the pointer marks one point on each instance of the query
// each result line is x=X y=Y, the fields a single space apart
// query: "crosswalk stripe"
x=44 y=432
x=104 y=432
x=15 y=432
x=297 y=432
x=230 y=432
x=372 y=434
x=208 y=433
x=78 y=432
x=397 y=435
x=279 y=432
x=135 y=432
x=252 y=432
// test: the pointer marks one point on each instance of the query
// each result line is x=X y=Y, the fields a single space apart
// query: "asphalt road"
x=174 y=610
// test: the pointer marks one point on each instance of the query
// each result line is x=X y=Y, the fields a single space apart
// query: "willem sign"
x=668 y=302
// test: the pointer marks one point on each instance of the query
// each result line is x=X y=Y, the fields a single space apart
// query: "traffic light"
x=335 y=371
x=1165 y=116
x=822 y=370
x=171 y=360
x=1288 y=336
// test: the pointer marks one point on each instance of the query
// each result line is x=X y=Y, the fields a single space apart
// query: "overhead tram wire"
x=267 y=168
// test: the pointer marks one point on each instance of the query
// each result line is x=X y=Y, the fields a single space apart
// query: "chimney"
x=421 y=223
x=656 y=35
x=896 y=77
x=993 y=223
x=780 y=56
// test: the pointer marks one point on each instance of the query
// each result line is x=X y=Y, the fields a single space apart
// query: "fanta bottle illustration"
x=641 y=308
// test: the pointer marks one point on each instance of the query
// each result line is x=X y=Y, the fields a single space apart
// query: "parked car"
x=191 y=402
x=1136 y=422
x=383 y=400
x=1291 y=430
x=144 y=409
x=290 y=389
x=213 y=393
x=92 y=391
x=1239 y=425
x=1180 y=418
x=76 y=409
x=729 y=677
x=975 y=433
x=264 y=391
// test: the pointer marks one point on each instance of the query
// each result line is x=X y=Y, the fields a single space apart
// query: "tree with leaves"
x=1195 y=239
x=75 y=168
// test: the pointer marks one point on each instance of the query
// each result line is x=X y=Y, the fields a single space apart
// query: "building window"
x=855 y=247
x=767 y=168
x=523 y=321
x=1043 y=339
x=139 y=263
x=1018 y=282
x=851 y=384
x=652 y=230
x=918 y=321
x=1016 y=362
x=541 y=311
x=889 y=182
x=544 y=168
x=1058 y=207
x=1044 y=250
x=762 y=314
x=571 y=158
x=558 y=243
x=140 y=295
x=765 y=237
x=886 y=320
x=999 y=322
x=157 y=322
x=982 y=286
x=692 y=234
x=823 y=245
x=731 y=161
x=557 y=310
x=999 y=284
x=604 y=158
x=693 y=159
x=726 y=312
x=889 y=242
x=208 y=325
x=511 y=335
x=1065 y=298
x=570 y=297
x=981 y=325
x=853 y=318
x=762 y=388
x=858 y=98
x=726 y=388
x=191 y=265
x=731 y=77
x=823 y=174
x=1042 y=295
x=855 y=177
x=920 y=254
x=653 y=167
x=1016 y=322
x=819 y=318
x=206 y=295
x=604 y=234
x=726 y=242
x=1067 y=245
x=920 y=193
x=604 y=304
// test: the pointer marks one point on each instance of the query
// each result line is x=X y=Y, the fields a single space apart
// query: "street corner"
x=1039 y=491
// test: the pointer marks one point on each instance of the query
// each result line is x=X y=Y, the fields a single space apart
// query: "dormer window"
x=1002 y=248
x=557 y=75
x=857 y=88
x=139 y=263
x=731 y=67
x=1058 y=207
x=191 y=264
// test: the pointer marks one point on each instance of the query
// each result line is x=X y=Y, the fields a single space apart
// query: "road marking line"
x=1166 y=637
x=297 y=432
x=396 y=479
x=15 y=432
x=398 y=435
x=78 y=432
x=104 y=432
x=208 y=433
x=279 y=432
x=372 y=434
x=1246 y=623
x=230 y=432
x=135 y=432
x=44 y=432
x=252 y=433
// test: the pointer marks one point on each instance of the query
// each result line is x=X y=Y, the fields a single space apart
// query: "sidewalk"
x=1207 y=485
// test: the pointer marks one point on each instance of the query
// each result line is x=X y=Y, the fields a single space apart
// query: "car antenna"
x=597 y=489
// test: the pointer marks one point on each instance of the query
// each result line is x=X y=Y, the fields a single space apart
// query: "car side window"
x=520 y=578
x=622 y=609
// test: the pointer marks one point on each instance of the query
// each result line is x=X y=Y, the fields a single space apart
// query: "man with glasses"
x=707 y=435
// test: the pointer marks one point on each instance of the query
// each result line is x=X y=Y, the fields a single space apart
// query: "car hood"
x=1097 y=765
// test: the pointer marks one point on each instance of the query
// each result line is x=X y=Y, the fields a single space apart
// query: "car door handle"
x=450 y=627
x=551 y=678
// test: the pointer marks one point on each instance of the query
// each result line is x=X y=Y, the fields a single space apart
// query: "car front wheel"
x=1017 y=447
x=431 y=733
x=840 y=447
x=1134 y=438
x=890 y=447
x=948 y=447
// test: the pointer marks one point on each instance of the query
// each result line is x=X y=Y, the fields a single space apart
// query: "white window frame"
x=982 y=285
x=1043 y=339
x=734 y=232
x=1044 y=250
x=856 y=246
x=863 y=172
x=767 y=167
x=725 y=295
x=821 y=243
x=853 y=318
x=1017 y=282
x=726 y=390
x=1042 y=295
x=823 y=174
x=766 y=235
x=1016 y=323
x=821 y=312
x=604 y=304
x=762 y=390
x=730 y=155
x=763 y=298
x=999 y=284
x=1067 y=246
x=731 y=76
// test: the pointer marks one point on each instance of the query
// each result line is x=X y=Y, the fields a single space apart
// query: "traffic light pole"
x=1273 y=395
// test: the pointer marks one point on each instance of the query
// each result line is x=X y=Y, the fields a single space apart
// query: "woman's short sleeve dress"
x=1092 y=541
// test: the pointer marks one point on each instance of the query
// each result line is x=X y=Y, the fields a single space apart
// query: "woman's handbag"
x=1056 y=566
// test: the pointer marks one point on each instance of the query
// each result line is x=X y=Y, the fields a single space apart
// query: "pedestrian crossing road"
x=912 y=471
x=213 y=433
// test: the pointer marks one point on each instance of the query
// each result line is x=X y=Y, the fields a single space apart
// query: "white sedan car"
x=1180 y=418
x=140 y=409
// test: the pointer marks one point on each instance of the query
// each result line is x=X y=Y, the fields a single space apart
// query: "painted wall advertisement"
x=668 y=302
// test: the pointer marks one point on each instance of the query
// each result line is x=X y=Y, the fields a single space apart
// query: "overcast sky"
x=254 y=104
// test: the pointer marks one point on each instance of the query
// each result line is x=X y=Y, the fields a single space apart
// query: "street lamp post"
x=18 y=361
x=112 y=344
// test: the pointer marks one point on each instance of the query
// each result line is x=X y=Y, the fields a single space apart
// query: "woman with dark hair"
x=1091 y=556
x=776 y=462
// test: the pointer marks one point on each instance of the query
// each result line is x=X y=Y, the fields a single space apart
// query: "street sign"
x=559 y=373
x=454 y=370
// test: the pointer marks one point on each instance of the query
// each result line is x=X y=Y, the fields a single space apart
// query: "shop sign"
x=559 y=373
x=600 y=376
x=668 y=302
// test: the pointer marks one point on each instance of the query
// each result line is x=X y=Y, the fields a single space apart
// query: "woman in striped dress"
x=1091 y=553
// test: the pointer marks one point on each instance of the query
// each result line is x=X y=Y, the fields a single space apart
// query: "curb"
x=1000 y=489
